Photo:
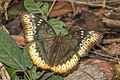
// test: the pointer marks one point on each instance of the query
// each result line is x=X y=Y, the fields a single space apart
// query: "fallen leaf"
x=19 y=39
x=60 y=8
x=114 y=49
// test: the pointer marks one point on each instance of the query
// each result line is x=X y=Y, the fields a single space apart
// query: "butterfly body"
x=56 y=52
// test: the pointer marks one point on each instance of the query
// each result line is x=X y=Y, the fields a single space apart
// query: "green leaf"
x=10 y=53
x=12 y=72
x=54 y=77
x=58 y=26
x=36 y=7
x=35 y=74
x=28 y=62
x=45 y=8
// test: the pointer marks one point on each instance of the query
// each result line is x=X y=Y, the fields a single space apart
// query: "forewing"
x=35 y=27
x=40 y=37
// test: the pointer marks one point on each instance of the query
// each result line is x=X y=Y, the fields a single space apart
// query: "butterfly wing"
x=74 y=45
x=34 y=23
x=55 y=52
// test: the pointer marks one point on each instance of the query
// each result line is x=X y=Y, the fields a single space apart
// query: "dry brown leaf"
x=3 y=28
x=60 y=8
x=19 y=39
x=93 y=69
x=105 y=66
x=3 y=72
x=114 y=49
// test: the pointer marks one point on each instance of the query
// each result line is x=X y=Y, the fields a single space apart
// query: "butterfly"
x=52 y=51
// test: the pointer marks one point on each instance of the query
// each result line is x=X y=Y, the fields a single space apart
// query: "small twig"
x=103 y=57
x=94 y=4
x=47 y=75
x=73 y=6
x=108 y=55
x=51 y=7
x=109 y=41
x=4 y=28
x=104 y=4
x=111 y=23
x=103 y=48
